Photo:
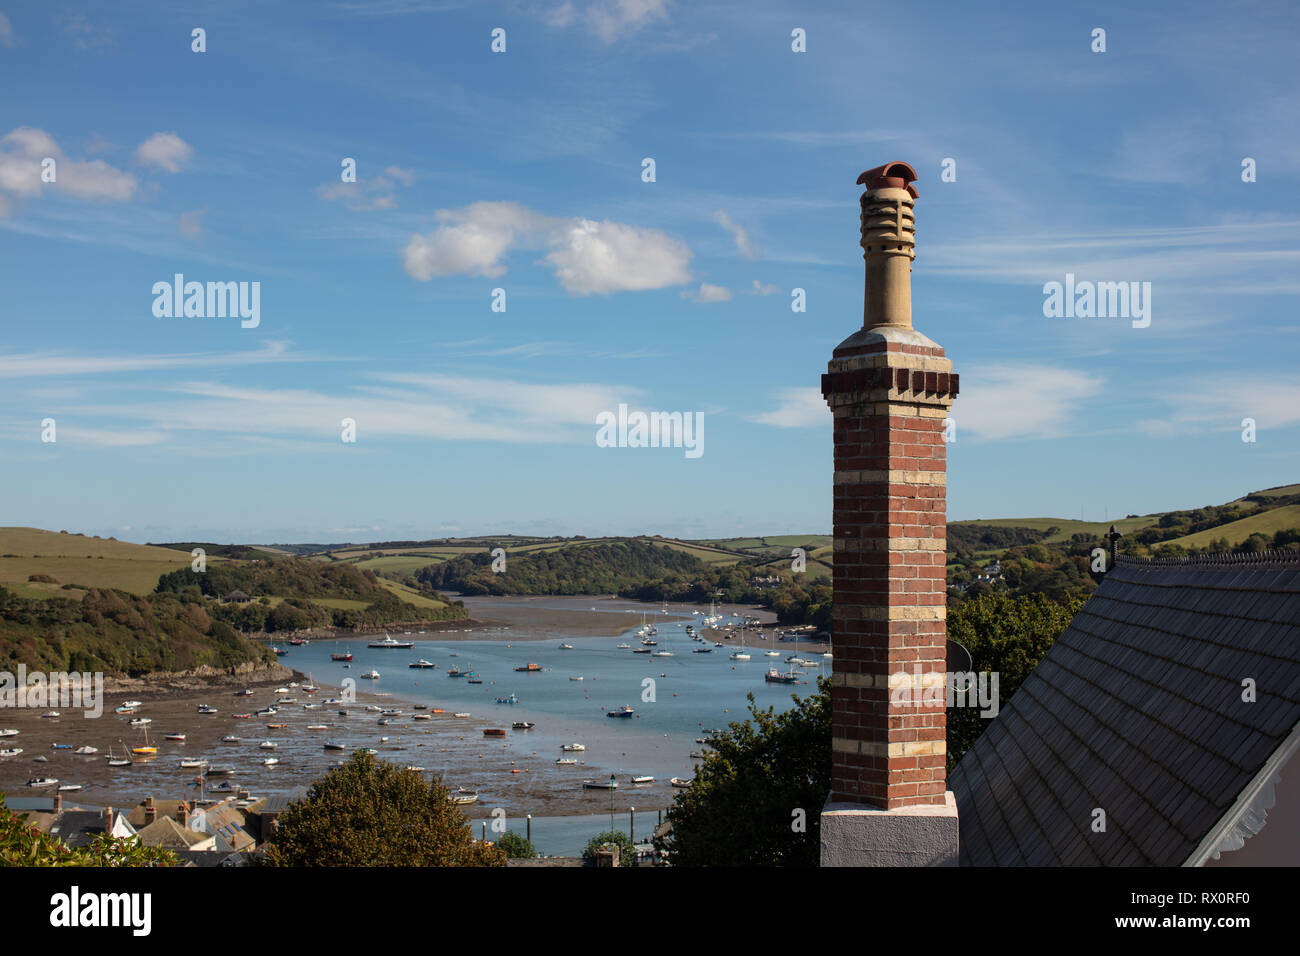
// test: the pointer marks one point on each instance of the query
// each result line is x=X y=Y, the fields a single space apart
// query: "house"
x=166 y=833
x=225 y=823
x=1159 y=730
x=236 y=597
x=79 y=828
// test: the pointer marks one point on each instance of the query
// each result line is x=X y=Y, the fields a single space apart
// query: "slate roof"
x=1137 y=709
x=166 y=832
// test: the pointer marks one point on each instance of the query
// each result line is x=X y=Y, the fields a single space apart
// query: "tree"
x=625 y=854
x=757 y=797
x=1007 y=635
x=22 y=844
x=371 y=813
x=516 y=847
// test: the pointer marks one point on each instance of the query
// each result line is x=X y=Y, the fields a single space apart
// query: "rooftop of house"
x=76 y=828
x=164 y=808
x=1142 y=709
x=166 y=832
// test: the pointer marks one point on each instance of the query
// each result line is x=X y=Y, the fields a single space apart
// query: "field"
x=75 y=559
x=1067 y=526
x=1266 y=523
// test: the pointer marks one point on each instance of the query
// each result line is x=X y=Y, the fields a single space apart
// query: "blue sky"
x=522 y=170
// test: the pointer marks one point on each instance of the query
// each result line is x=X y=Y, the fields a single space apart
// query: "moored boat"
x=610 y=784
x=390 y=643
x=624 y=711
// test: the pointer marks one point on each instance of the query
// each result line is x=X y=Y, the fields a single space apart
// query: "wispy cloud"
x=797 y=408
x=739 y=234
x=400 y=406
x=1000 y=402
x=708 y=293
x=52 y=364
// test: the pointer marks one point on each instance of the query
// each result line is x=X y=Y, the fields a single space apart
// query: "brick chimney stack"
x=150 y=811
x=889 y=388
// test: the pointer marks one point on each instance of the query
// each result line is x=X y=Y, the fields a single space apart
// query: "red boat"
x=493 y=732
x=297 y=641
x=242 y=716
x=340 y=657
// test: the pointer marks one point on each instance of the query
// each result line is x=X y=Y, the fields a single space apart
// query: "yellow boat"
x=146 y=750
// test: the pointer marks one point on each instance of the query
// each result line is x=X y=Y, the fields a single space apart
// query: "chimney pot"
x=888 y=225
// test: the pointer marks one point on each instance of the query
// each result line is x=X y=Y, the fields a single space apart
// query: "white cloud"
x=798 y=408
x=166 y=150
x=1022 y=401
x=6 y=32
x=612 y=20
x=22 y=151
x=708 y=293
x=471 y=240
x=743 y=243
x=560 y=16
x=375 y=192
x=763 y=288
x=588 y=257
x=602 y=257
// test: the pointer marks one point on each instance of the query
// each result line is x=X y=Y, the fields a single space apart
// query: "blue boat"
x=512 y=699
x=62 y=746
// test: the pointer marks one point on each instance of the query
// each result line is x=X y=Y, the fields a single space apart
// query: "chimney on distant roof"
x=58 y=802
x=183 y=813
x=890 y=389
x=150 y=811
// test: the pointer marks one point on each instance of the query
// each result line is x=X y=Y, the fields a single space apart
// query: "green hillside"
x=79 y=559
x=1267 y=523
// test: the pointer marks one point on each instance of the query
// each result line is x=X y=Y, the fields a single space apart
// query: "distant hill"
x=68 y=601
x=80 y=560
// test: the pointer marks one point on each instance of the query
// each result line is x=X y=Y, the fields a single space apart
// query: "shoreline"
x=510 y=773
